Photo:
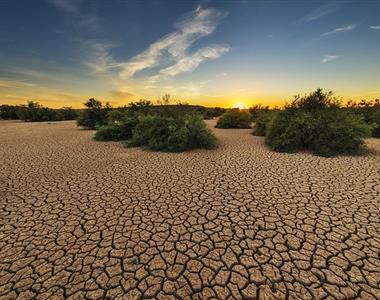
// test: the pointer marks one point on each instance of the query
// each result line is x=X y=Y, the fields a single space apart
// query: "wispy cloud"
x=165 y=58
x=340 y=29
x=15 y=84
x=102 y=61
x=122 y=94
x=72 y=10
x=191 y=62
x=30 y=73
x=328 y=58
x=375 y=27
x=173 y=47
x=320 y=12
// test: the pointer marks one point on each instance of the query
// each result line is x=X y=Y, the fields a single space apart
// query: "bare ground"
x=85 y=219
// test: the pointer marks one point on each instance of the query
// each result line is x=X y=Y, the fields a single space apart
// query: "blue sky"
x=61 y=52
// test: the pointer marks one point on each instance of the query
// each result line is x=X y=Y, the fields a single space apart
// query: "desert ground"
x=85 y=219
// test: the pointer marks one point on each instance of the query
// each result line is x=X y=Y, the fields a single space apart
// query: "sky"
x=214 y=53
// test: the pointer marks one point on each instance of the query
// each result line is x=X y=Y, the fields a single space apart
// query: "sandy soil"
x=85 y=219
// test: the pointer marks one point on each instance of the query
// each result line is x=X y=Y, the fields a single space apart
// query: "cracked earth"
x=89 y=220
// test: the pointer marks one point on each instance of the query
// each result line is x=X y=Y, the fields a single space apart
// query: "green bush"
x=198 y=135
x=262 y=122
x=257 y=110
x=339 y=132
x=316 y=123
x=67 y=113
x=117 y=115
x=315 y=101
x=289 y=131
x=234 y=118
x=34 y=112
x=369 y=111
x=8 y=112
x=116 y=130
x=170 y=134
x=214 y=112
x=94 y=115
x=374 y=120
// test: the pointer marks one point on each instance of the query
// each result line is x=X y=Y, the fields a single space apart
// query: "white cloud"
x=102 y=60
x=340 y=29
x=320 y=12
x=173 y=47
x=376 y=27
x=329 y=58
x=165 y=58
x=191 y=62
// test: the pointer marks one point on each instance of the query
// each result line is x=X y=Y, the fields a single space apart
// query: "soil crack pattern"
x=82 y=219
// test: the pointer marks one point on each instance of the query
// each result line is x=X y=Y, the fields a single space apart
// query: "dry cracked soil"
x=91 y=220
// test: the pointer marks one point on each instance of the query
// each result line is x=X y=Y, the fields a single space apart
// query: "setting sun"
x=240 y=106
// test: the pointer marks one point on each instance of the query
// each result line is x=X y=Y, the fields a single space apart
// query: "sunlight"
x=240 y=105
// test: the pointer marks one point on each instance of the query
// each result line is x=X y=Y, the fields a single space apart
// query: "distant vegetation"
x=258 y=110
x=34 y=112
x=8 y=112
x=370 y=111
x=94 y=115
x=318 y=123
x=234 y=118
x=170 y=128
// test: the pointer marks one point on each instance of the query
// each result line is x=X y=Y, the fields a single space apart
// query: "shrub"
x=370 y=111
x=94 y=115
x=289 y=131
x=141 y=107
x=257 y=110
x=339 y=132
x=116 y=115
x=8 y=112
x=170 y=134
x=198 y=134
x=211 y=113
x=262 y=122
x=34 y=112
x=116 y=130
x=315 y=122
x=374 y=120
x=67 y=113
x=315 y=101
x=234 y=118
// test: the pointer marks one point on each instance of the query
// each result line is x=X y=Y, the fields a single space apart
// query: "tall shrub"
x=94 y=115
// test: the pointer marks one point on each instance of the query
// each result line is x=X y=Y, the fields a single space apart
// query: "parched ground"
x=84 y=219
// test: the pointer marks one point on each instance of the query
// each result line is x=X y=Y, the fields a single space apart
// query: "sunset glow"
x=240 y=106
x=62 y=52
